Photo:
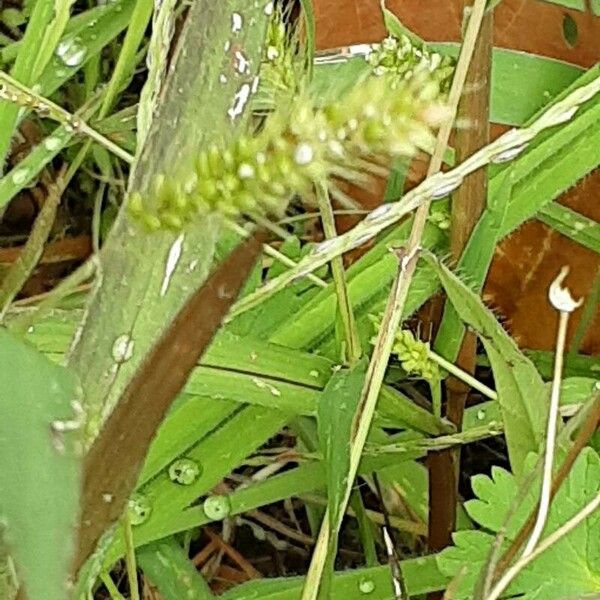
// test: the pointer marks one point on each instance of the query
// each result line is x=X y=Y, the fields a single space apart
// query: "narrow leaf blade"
x=521 y=392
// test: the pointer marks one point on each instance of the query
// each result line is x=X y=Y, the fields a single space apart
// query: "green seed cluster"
x=412 y=353
x=279 y=67
x=402 y=58
x=299 y=144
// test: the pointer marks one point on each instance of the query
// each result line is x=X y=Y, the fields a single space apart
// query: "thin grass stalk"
x=163 y=25
x=51 y=299
x=110 y=586
x=352 y=350
x=362 y=423
x=132 y=576
x=467 y=206
x=21 y=95
x=127 y=56
x=25 y=264
x=274 y=253
x=463 y=376
x=590 y=310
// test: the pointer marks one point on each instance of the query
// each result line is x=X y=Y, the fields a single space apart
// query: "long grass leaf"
x=521 y=392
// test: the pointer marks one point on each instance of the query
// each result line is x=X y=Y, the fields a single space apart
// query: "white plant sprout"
x=505 y=147
x=561 y=299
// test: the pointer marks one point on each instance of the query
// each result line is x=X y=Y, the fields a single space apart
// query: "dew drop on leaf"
x=20 y=176
x=139 y=509
x=71 y=52
x=122 y=349
x=237 y=22
x=366 y=586
x=184 y=471
x=52 y=143
x=217 y=507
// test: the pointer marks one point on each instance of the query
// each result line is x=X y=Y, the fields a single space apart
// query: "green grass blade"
x=308 y=10
x=169 y=569
x=421 y=575
x=335 y=419
x=572 y=224
x=39 y=469
x=126 y=62
x=156 y=59
x=396 y=28
x=216 y=456
x=521 y=392
x=46 y=23
x=27 y=170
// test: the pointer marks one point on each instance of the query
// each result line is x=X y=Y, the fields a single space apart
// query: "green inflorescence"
x=401 y=59
x=298 y=145
x=412 y=353
x=280 y=69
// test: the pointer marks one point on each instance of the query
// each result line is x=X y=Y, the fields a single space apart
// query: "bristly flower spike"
x=299 y=145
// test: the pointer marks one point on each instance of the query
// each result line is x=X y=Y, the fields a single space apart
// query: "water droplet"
x=314 y=374
x=240 y=63
x=71 y=51
x=227 y=46
x=237 y=22
x=508 y=154
x=481 y=414
x=184 y=471
x=217 y=507
x=246 y=171
x=263 y=385
x=107 y=498
x=122 y=349
x=20 y=176
x=139 y=509
x=269 y=8
x=172 y=259
x=223 y=78
x=366 y=586
x=579 y=226
x=52 y=143
x=304 y=154
x=239 y=102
